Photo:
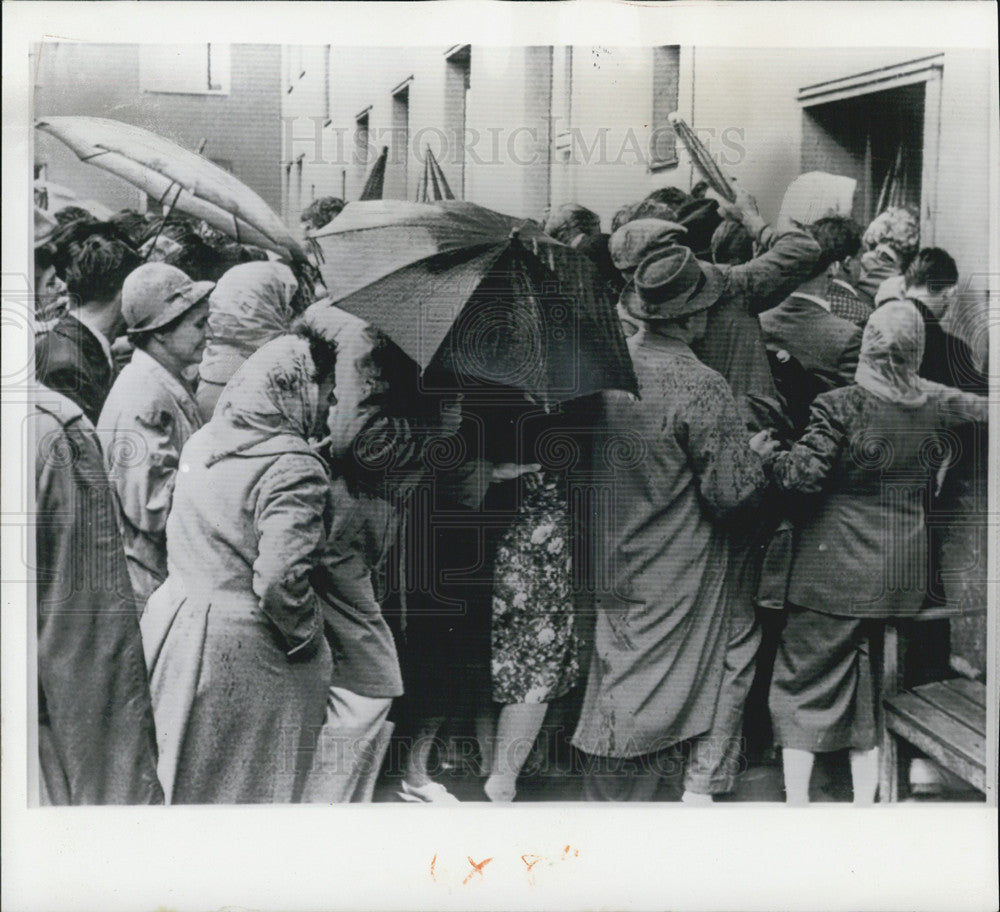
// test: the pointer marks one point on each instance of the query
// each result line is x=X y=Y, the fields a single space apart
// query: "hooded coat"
x=239 y=667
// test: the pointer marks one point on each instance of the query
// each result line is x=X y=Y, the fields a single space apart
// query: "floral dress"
x=535 y=648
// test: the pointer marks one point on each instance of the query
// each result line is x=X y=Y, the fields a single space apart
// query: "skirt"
x=823 y=696
x=236 y=720
x=535 y=654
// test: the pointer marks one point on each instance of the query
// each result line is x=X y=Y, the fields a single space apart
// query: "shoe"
x=432 y=793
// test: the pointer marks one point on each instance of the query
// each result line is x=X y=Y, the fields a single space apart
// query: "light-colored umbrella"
x=702 y=158
x=175 y=177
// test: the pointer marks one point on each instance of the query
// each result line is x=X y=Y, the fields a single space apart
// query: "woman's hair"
x=932 y=268
x=99 y=268
x=896 y=228
x=670 y=196
x=133 y=224
x=644 y=209
x=322 y=211
x=322 y=351
x=72 y=214
x=838 y=238
x=571 y=219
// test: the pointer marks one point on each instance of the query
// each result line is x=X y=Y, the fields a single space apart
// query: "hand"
x=764 y=443
x=508 y=471
x=451 y=415
x=742 y=209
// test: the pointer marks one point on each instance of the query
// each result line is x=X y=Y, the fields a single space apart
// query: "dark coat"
x=870 y=464
x=70 y=359
x=733 y=344
x=96 y=741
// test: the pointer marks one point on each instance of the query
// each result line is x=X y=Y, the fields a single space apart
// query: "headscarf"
x=273 y=393
x=251 y=304
x=892 y=348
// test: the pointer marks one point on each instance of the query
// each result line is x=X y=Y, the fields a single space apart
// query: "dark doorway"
x=876 y=138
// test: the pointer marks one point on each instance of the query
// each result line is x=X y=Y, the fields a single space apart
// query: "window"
x=400 y=142
x=458 y=80
x=666 y=77
x=361 y=140
x=185 y=69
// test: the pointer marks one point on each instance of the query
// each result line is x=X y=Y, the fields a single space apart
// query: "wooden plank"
x=955 y=705
x=973 y=773
x=907 y=713
x=971 y=690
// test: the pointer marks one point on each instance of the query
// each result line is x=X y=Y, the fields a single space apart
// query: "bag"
x=772 y=590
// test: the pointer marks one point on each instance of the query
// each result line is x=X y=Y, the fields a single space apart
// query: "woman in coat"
x=151 y=412
x=234 y=642
x=251 y=304
x=868 y=456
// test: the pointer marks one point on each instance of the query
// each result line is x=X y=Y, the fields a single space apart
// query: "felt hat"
x=672 y=285
x=156 y=293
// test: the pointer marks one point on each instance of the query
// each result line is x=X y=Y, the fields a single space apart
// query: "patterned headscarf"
x=251 y=304
x=892 y=348
x=274 y=392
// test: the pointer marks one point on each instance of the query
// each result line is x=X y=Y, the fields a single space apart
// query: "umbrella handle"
x=156 y=237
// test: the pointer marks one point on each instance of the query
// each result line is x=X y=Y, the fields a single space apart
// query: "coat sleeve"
x=729 y=474
x=806 y=467
x=847 y=364
x=97 y=743
x=291 y=514
x=956 y=407
x=768 y=279
x=145 y=486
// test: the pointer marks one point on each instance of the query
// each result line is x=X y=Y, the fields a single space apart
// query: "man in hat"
x=680 y=466
x=631 y=244
x=733 y=345
x=74 y=356
x=151 y=411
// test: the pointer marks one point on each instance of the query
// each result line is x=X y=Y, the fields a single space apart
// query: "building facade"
x=224 y=99
x=525 y=129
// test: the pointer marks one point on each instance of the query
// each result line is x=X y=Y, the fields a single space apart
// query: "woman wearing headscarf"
x=866 y=463
x=251 y=304
x=239 y=667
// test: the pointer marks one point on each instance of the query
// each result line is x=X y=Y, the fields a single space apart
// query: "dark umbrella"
x=433 y=185
x=376 y=178
x=472 y=294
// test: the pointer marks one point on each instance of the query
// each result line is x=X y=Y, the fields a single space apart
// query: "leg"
x=420 y=751
x=619 y=779
x=350 y=732
x=486 y=736
x=864 y=775
x=716 y=757
x=798 y=766
x=517 y=729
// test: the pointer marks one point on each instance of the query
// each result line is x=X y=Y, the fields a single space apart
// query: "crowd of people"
x=266 y=549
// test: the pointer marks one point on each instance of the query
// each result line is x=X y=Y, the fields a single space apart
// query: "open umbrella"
x=471 y=294
x=433 y=185
x=376 y=177
x=175 y=177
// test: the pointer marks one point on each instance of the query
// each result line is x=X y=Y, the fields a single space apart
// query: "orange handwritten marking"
x=476 y=868
x=534 y=860
x=433 y=862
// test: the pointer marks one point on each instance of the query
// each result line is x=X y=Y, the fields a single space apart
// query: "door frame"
x=928 y=70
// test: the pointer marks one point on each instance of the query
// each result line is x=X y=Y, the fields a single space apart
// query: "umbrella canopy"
x=376 y=177
x=433 y=186
x=175 y=177
x=475 y=295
